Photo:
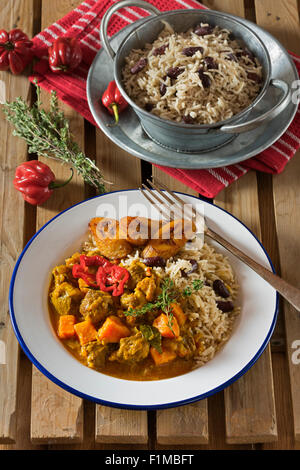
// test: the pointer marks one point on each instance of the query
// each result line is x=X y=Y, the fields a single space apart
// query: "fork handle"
x=289 y=292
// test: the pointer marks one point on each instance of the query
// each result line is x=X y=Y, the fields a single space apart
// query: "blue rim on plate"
x=117 y=405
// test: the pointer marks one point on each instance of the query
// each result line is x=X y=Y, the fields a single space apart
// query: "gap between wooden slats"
x=186 y=425
x=282 y=20
x=116 y=426
x=56 y=415
x=13 y=152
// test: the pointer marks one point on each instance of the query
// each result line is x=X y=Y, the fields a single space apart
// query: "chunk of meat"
x=184 y=346
x=65 y=298
x=61 y=273
x=134 y=299
x=137 y=271
x=96 y=305
x=95 y=353
x=132 y=349
x=105 y=234
x=148 y=287
x=136 y=230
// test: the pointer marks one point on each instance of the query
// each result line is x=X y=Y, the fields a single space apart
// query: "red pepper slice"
x=112 y=278
x=82 y=271
x=109 y=277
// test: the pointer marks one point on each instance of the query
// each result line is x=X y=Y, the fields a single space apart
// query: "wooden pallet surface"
x=261 y=409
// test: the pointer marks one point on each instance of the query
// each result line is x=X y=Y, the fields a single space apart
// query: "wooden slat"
x=283 y=22
x=250 y=414
x=56 y=415
x=13 y=152
x=188 y=424
x=114 y=425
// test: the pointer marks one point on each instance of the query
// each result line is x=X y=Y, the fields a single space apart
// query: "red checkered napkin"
x=83 y=22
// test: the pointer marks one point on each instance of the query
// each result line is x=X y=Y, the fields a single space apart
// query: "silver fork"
x=161 y=196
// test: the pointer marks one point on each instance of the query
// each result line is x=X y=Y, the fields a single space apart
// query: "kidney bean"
x=139 y=65
x=163 y=89
x=231 y=57
x=206 y=81
x=225 y=306
x=246 y=53
x=174 y=72
x=220 y=288
x=203 y=30
x=155 y=261
x=190 y=51
x=210 y=63
x=149 y=106
x=194 y=264
x=160 y=50
x=188 y=119
x=254 y=77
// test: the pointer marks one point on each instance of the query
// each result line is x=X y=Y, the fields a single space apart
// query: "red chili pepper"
x=108 y=277
x=65 y=55
x=36 y=181
x=15 y=50
x=112 y=278
x=113 y=100
x=82 y=270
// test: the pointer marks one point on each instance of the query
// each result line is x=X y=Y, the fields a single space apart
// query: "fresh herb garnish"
x=169 y=293
x=47 y=134
x=197 y=284
x=152 y=335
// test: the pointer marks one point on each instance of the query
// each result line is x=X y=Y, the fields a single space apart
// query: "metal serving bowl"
x=193 y=138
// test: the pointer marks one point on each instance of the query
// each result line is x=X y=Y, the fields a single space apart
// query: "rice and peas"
x=202 y=76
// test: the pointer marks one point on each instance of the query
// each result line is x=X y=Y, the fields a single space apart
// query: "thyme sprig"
x=47 y=133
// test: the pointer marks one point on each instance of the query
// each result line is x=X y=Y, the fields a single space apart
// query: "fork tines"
x=168 y=204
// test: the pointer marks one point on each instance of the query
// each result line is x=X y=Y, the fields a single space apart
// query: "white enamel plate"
x=62 y=236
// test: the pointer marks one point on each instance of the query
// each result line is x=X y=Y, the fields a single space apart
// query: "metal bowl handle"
x=108 y=14
x=268 y=115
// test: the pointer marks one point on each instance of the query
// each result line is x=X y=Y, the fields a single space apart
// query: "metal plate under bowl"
x=130 y=136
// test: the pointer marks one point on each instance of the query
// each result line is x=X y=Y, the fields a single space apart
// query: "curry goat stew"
x=142 y=309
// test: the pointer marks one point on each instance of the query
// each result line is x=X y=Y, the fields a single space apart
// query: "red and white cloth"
x=83 y=22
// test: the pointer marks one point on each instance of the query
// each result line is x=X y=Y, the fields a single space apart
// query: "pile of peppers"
x=98 y=272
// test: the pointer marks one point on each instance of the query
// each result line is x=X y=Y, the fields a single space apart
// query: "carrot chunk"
x=66 y=326
x=113 y=329
x=178 y=314
x=162 y=358
x=162 y=324
x=85 y=331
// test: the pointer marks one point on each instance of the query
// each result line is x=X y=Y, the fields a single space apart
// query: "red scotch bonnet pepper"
x=114 y=101
x=36 y=181
x=97 y=271
x=65 y=55
x=15 y=50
